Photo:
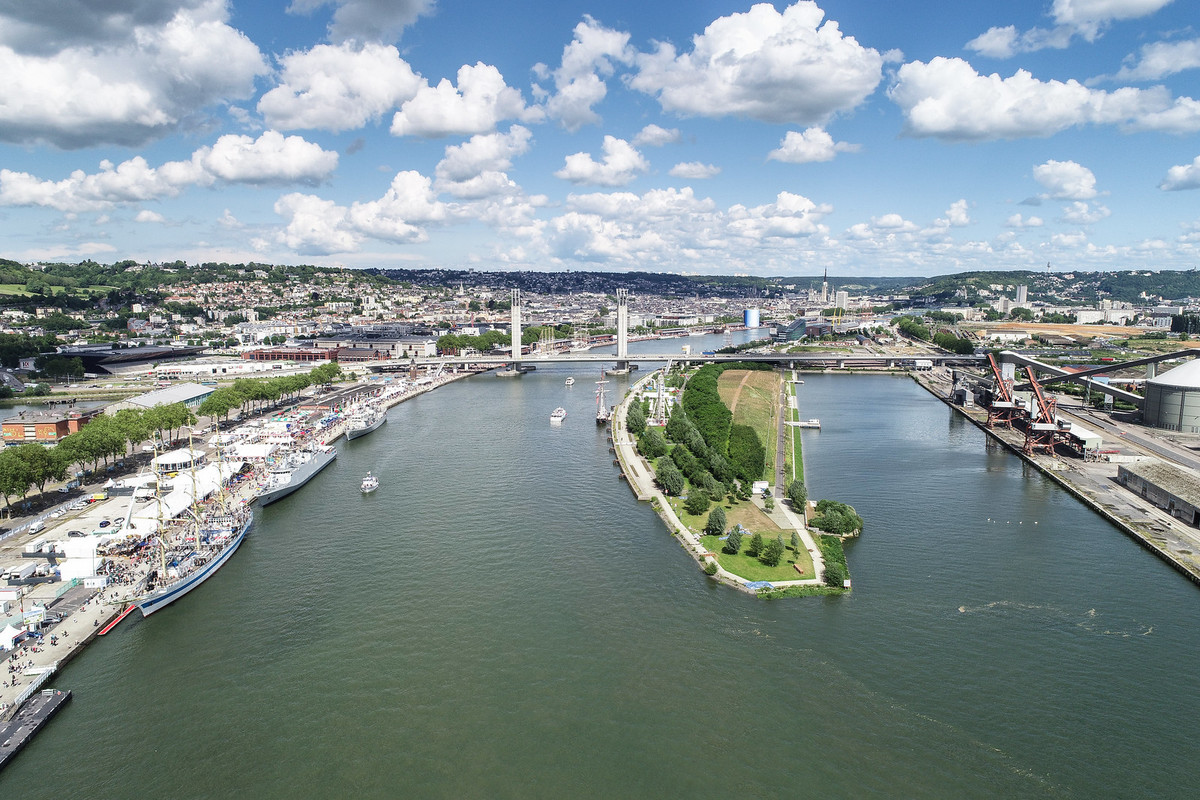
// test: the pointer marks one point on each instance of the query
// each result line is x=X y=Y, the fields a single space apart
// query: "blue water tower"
x=750 y=318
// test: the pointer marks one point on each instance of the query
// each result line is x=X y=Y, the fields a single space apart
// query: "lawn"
x=752 y=396
x=754 y=570
x=795 y=455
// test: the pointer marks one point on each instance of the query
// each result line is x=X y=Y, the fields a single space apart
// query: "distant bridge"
x=827 y=360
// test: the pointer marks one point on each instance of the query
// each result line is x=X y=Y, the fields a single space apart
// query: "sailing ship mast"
x=601 y=406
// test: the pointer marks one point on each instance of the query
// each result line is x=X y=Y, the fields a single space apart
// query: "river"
x=503 y=619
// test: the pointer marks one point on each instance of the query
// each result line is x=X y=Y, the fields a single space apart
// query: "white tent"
x=178 y=460
x=8 y=636
x=186 y=489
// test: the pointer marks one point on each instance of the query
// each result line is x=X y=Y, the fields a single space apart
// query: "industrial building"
x=45 y=427
x=1173 y=399
x=190 y=394
x=1165 y=485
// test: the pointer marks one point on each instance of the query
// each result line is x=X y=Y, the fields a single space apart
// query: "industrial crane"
x=1043 y=430
x=1004 y=410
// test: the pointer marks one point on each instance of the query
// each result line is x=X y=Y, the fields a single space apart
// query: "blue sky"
x=899 y=138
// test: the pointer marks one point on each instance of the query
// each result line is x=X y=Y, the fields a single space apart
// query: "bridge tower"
x=516 y=328
x=622 y=329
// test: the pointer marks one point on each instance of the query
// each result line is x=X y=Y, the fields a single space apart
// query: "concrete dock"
x=34 y=714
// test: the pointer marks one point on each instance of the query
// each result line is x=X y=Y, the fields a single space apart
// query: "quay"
x=1093 y=482
x=34 y=714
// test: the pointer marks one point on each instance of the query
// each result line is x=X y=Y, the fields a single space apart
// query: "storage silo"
x=750 y=318
x=1173 y=399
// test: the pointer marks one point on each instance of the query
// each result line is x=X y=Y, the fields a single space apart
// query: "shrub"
x=747 y=456
x=797 y=493
x=710 y=567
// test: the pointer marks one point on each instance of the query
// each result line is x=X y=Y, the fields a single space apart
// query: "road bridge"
x=822 y=360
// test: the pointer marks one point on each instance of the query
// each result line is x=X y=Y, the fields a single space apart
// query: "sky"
x=906 y=138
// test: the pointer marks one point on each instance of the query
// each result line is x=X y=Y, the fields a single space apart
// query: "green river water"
x=503 y=619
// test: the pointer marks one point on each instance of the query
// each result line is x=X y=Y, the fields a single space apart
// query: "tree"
x=795 y=543
x=652 y=444
x=669 y=478
x=15 y=477
x=40 y=462
x=697 y=502
x=797 y=493
x=734 y=543
x=716 y=522
x=635 y=419
x=756 y=545
x=773 y=552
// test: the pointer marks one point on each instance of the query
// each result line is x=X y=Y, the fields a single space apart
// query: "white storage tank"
x=750 y=318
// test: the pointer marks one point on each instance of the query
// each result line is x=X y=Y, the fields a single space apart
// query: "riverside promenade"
x=640 y=477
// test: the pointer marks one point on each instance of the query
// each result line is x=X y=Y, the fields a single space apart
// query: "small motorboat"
x=369 y=484
x=558 y=415
x=570 y=381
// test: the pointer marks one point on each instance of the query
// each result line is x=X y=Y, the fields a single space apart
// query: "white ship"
x=293 y=471
x=186 y=564
x=570 y=381
x=364 y=421
x=558 y=415
x=369 y=484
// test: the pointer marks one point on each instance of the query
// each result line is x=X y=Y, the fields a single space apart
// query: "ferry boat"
x=364 y=421
x=184 y=565
x=570 y=381
x=369 y=484
x=293 y=472
x=558 y=415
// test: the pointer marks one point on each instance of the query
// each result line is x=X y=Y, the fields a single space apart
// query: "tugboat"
x=369 y=484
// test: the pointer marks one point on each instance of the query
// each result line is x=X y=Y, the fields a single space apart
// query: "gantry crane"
x=1042 y=431
x=1005 y=409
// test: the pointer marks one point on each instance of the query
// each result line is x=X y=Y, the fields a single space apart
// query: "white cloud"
x=766 y=65
x=481 y=100
x=317 y=226
x=483 y=152
x=146 y=215
x=579 y=81
x=1160 y=59
x=338 y=88
x=1018 y=221
x=271 y=158
x=148 y=71
x=1079 y=213
x=948 y=99
x=1085 y=18
x=694 y=170
x=813 y=144
x=791 y=215
x=366 y=20
x=655 y=136
x=1186 y=176
x=622 y=163
x=957 y=216
x=1065 y=180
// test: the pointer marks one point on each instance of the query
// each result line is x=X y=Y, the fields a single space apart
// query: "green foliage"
x=797 y=493
x=795 y=543
x=834 y=556
x=710 y=567
x=837 y=518
x=756 y=545
x=734 y=543
x=773 y=552
x=912 y=328
x=652 y=444
x=950 y=342
x=747 y=456
x=668 y=476
x=697 y=502
x=702 y=403
x=635 y=419
x=716 y=522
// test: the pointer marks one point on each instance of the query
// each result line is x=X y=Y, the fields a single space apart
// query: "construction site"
x=1133 y=458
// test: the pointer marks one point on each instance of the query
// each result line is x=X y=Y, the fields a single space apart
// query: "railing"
x=33 y=687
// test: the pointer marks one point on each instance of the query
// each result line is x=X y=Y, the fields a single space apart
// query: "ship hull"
x=169 y=594
x=303 y=474
x=354 y=433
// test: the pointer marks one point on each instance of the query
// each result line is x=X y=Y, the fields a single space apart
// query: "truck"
x=21 y=571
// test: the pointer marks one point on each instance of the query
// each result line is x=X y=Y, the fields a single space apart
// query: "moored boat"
x=364 y=421
x=293 y=472
x=217 y=538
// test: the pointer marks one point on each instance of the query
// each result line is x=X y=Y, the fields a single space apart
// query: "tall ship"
x=364 y=420
x=602 y=413
x=293 y=471
x=185 y=562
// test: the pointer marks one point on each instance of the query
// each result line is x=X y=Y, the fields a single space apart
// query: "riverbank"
x=640 y=477
x=83 y=612
x=1094 y=484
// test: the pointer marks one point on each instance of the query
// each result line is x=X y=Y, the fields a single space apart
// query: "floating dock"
x=33 y=714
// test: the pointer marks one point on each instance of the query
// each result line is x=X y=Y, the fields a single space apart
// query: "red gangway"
x=113 y=624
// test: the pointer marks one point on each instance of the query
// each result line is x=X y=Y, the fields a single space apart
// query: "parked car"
x=76 y=533
x=104 y=523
